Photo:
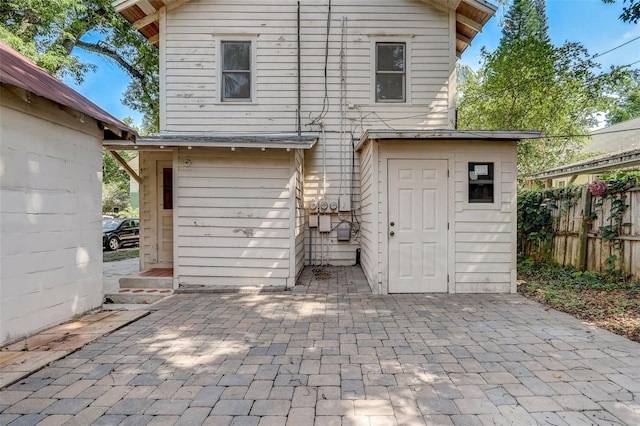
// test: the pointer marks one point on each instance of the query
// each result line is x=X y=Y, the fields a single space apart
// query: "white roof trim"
x=446 y=134
x=224 y=140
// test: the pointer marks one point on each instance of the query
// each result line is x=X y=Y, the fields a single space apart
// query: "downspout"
x=299 y=82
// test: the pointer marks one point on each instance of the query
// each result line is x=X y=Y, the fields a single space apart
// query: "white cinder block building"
x=313 y=133
x=50 y=198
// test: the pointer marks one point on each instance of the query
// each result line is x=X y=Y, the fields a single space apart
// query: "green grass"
x=121 y=254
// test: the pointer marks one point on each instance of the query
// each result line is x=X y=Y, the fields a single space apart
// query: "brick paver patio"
x=330 y=353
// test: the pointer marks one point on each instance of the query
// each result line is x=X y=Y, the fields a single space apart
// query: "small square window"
x=481 y=183
x=390 y=72
x=236 y=70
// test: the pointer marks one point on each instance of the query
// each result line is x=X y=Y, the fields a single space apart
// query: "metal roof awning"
x=445 y=134
x=221 y=140
x=19 y=72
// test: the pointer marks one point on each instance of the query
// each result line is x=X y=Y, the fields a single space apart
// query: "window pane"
x=167 y=188
x=237 y=85
x=481 y=183
x=390 y=57
x=390 y=87
x=237 y=56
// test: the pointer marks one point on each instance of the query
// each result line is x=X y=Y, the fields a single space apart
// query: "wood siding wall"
x=300 y=212
x=368 y=217
x=482 y=237
x=234 y=217
x=50 y=215
x=191 y=95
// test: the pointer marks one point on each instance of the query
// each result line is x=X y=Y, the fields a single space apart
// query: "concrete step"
x=136 y=281
x=252 y=289
x=141 y=296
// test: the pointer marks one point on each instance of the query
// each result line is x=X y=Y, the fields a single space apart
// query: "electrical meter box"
x=344 y=232
x=313 y=221
x=325 y=223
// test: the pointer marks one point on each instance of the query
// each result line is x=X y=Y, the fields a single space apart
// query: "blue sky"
x=590 y=22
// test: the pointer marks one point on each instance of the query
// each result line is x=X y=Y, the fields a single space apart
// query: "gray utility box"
x=344 y=232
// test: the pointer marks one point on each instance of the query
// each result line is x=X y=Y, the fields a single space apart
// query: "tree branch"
x=103 y=50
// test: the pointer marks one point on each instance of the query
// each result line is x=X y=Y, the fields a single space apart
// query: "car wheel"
x=113 y=243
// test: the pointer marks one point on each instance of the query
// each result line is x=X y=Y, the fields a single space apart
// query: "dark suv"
x=118 y=233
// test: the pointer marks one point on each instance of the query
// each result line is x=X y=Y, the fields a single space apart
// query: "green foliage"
x=112 y=172
x=569 y=277
x=525 y=18
x=529 y=84
x=129 y=212
x=630 y=11
x=51 y=32
x=114 y=197
x=115 y=183
x=535 y=218
x=121 y=254
x=626 y=98
x=612 y=229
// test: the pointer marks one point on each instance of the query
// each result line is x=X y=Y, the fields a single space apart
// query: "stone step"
x=252 y=289
x=137 y=281
x=143 y=296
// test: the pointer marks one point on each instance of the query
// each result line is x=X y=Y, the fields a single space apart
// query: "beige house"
x=50 y=198
x=316 y=133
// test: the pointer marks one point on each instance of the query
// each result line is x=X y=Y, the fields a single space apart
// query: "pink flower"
x=598 y=187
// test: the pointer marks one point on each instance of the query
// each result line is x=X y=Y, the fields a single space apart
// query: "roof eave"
x=625 y=159
x=471 y=15
x=445 y=134
x=259 y=141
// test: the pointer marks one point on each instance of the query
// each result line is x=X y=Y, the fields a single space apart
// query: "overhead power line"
x=597 y=55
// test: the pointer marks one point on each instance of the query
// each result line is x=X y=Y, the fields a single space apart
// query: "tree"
x=49 y=32
x=529 y=84
x=115 y=182
x=627 y=100
x=630 y=12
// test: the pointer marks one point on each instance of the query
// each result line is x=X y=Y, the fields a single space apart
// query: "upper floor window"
x=236 y=70
x=391 y=72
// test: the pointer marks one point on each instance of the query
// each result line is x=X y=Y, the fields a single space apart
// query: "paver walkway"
x=330 y=353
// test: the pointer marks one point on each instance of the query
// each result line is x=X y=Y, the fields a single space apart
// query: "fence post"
x=583 y=233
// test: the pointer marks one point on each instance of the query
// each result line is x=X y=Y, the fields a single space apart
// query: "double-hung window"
x=391 y=72
x=236 y=71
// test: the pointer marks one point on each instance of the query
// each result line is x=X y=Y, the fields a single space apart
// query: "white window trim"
x=218 y=87
x=497 y=183
x=406 y=39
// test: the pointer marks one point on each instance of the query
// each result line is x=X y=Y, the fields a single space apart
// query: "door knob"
x=392 y=223
x=392 y=233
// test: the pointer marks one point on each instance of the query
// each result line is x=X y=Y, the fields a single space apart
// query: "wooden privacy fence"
x=586 y=235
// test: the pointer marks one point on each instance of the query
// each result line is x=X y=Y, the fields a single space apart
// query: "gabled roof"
x=620 y=144
x=618 y=137
x=18 y=71
x=471 y=16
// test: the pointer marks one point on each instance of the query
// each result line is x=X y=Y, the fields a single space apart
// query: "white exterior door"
x=165 y=213
x=417 y=228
